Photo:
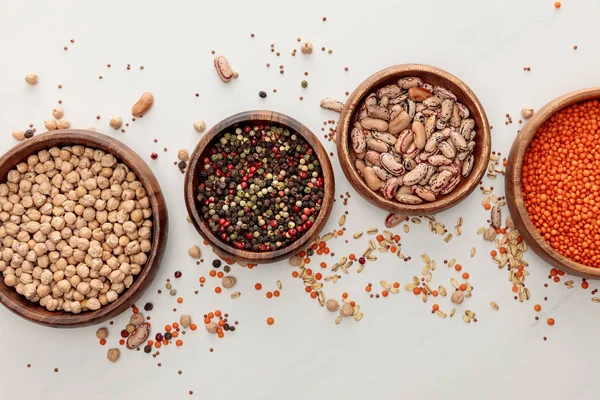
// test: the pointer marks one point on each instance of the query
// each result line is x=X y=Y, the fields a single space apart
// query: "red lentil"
x=559 y=175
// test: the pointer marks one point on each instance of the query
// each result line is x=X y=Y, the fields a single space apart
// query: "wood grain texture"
x=191 y=184
x=434 y=76
x=61 y=319
x=514 y=190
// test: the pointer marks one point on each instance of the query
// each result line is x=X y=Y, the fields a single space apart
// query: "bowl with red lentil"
x=259 y=187
x=552 y=182
x=413 y=139
x=84 y=227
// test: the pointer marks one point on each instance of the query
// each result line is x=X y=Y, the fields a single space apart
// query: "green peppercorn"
x=304 y=84
x=173 y=292
x=226 y=268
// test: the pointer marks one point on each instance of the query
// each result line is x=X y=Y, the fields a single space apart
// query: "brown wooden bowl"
x=514 y=191
x=434 y=76
x=222 y=249
x=61 y=319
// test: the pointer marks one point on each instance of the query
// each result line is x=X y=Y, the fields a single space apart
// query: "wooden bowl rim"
x=195 y=162
x=372 y=83
x=69 y=137
x=513 y=179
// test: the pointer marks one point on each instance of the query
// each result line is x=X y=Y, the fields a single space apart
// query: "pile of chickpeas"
x=75 y=230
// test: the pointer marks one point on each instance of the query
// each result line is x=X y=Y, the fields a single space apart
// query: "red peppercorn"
x=159 y=337
x=124 y=333
x=362 y=260
x=154 y=156
x=177 y=274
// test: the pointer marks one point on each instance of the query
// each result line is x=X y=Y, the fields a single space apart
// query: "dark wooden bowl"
x=222 y=249
x=434 y=76
x=61 y=319
x=514 y=191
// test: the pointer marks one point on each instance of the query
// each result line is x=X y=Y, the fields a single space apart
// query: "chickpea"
x=72 y=218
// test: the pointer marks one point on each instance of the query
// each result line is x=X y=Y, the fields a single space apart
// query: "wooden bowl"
x=61 y=319
x=222 y=249
x=434 y=76
x=514 y=192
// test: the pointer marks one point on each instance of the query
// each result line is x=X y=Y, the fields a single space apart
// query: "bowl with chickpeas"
x=83 y=226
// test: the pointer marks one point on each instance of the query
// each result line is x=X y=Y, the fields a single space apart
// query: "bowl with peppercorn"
x=259 y=187
x=551 y=183
x=84 y=227
x=413 y=139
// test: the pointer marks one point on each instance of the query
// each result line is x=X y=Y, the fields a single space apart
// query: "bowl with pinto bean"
x=413 y=139
x=83 y=227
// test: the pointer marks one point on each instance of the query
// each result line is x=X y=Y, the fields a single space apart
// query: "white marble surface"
x=399 y=349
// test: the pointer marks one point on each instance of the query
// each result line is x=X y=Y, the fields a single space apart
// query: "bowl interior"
x=514 y=189
x=33 y=311
x=435 y=77
x=196 y=162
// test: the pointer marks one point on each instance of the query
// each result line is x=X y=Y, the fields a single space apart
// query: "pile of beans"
x=76 y=228
x=561 y=172
x=413 y=141
x=261 y=188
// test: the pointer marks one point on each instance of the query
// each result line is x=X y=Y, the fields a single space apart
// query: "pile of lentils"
x=261 y=187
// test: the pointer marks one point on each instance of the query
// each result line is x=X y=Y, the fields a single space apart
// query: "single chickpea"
x=93 y=304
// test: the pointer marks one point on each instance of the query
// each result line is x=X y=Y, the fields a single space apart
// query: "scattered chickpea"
x=199 y=126
x=306 y=48
x=57 y=112
x=527 y=112
x=332 y=305
x=228 y=282
x=194 y=252
x=347 y=310
x=185 y=321
x=63 y=124
x=113 y=355
x=116 y=123
x=31 y=79
x=102 y=333
x=183 y=155
x=18 y=135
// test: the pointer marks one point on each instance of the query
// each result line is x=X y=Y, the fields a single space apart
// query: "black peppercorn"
x=216 y=263
x=168 y=336
x=148 y=306
x=147 y=349
x=262 y=94
x=232 y=328
x=28 y=134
